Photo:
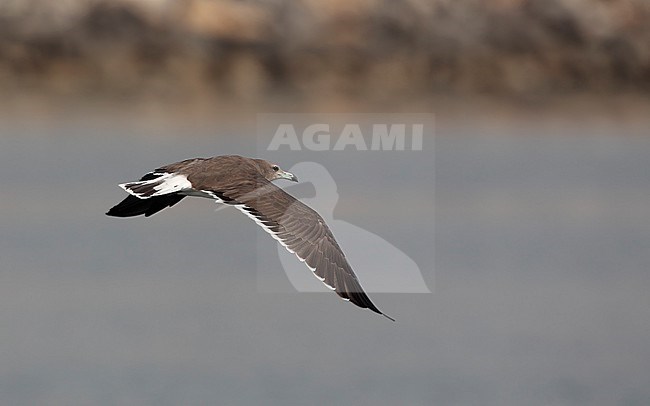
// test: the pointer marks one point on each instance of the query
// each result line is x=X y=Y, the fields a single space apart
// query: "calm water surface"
x=538 y=263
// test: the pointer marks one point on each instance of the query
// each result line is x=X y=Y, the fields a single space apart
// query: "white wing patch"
x=172 y=184
x=242 y=208
x=164 y=184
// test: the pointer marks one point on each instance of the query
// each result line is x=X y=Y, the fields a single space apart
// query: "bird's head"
x=273 y=171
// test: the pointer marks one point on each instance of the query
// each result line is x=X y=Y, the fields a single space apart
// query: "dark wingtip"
x=388 y=317
x=374 y=308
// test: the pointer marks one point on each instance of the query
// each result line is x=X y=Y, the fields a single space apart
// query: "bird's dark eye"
x=275 y=168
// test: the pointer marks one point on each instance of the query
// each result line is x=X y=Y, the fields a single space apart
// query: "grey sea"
x=531 y=231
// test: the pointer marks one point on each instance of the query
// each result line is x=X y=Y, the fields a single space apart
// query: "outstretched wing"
x=302 y=232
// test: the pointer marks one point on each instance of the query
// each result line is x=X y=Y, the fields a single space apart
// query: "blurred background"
x=534 y=237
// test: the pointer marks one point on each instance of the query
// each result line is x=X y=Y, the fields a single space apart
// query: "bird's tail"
x=134 y=206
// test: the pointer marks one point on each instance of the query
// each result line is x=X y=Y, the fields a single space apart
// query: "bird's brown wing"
x=302 y=232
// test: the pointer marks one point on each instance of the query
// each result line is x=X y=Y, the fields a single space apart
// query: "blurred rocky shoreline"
x=374 y=48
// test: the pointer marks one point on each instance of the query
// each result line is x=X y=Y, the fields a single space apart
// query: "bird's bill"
x=286 y=175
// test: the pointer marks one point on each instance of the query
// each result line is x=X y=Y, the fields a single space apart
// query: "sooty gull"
x=245 y=183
